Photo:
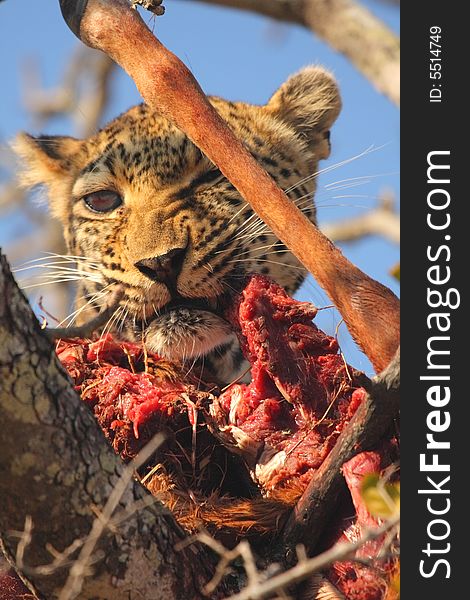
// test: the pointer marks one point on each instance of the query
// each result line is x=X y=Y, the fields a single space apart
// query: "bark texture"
x=57 y=468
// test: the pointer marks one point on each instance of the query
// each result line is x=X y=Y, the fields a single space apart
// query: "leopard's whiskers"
x=111 y=321
x=248 y=260
x=57 y=271
x=329 y=168
x=250 y=225
x=101 y=294
x=123 y=317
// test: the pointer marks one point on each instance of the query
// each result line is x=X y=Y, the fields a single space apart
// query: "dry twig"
x=368 y=426
x=81 y=567
x=265 y=584
x=382 y=221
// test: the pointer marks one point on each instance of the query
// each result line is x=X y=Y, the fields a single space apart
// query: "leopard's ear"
x=310 y=102
x=47 y=158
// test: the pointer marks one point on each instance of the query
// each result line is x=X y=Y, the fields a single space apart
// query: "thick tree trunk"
x=57 y=469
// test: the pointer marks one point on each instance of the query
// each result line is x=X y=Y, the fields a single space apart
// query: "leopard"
x=143 y=208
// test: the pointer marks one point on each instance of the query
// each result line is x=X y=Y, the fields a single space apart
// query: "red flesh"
x=301 y=396
x=356 y=581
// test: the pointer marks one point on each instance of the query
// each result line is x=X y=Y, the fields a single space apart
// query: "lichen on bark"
x=57 y=468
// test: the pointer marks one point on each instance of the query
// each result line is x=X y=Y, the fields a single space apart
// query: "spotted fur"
x=175 y=203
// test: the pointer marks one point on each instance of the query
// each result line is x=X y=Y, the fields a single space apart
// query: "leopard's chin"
x=185 y=332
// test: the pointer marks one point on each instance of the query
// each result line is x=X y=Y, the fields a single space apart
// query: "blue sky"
x=242 y=57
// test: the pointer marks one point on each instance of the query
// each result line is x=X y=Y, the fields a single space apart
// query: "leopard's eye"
x=103 y=201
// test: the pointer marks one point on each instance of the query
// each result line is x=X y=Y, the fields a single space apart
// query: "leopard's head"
x=146 y=209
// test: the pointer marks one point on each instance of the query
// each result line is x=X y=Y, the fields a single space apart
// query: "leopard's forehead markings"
x=142 y=144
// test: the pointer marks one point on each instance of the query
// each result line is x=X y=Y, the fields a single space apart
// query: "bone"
x=369 y=309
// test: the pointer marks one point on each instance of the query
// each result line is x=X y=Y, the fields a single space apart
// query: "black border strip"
x=429 y=127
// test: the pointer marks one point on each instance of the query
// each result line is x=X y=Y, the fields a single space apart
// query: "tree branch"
x=382 y=221
x=347 y=27
x=307 y=567
x=83 y=92
x=370 y=310
x=368 y=426
x=56 y=466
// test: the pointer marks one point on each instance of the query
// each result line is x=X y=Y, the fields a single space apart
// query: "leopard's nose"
x=164 y=268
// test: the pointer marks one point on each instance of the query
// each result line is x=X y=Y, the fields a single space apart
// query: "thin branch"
x=242 y=550
x=60 y=559
x=81 y=567
x=83 y=331
x=306 y=568
x=382 y=221
x=347 y=27
x=83 y=92
x=368 y=426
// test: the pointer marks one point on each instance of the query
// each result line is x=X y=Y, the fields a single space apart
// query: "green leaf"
x=395 y=271
x=381 y=499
